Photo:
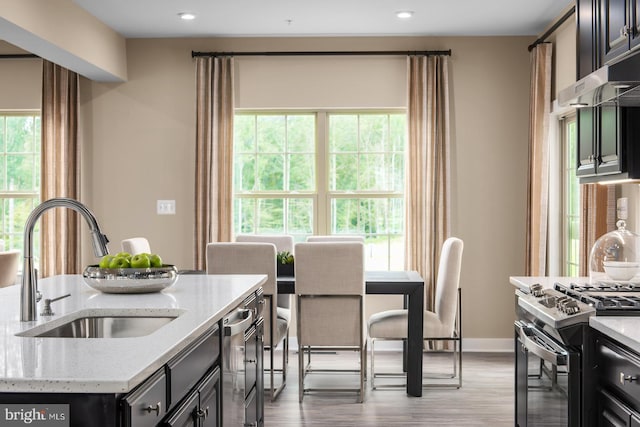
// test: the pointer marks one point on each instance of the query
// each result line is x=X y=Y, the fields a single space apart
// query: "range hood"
x=619 y=81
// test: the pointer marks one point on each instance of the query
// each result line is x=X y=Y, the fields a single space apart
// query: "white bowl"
x=621 y=270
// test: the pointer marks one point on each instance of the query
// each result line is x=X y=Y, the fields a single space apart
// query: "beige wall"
x=20 y=81
x=88 y=47
x=140 y=143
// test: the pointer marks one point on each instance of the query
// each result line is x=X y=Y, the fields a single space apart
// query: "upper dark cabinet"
x=619 y=28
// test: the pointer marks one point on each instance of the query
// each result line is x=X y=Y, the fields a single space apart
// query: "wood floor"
x=485 y=399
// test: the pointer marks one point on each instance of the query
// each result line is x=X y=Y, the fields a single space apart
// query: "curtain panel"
x=538 y=170
x=597 y=217
x=60 y=233
x=214 y=154
x=427 y=188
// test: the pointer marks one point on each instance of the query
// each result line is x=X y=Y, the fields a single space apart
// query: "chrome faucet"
x=29 y=276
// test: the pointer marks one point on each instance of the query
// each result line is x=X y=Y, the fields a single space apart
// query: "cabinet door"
x=608 y=160
x=185 y=414
x=586 y=142
x=612 y=412
x=146 y=405
x=587 y=37
x=614 y=28
x=209 y=411
x=635 y=23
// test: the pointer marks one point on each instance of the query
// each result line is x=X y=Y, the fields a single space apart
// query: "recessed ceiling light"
x=187 y=16
x=404 y=14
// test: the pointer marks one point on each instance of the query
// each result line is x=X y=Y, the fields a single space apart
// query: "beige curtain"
x=538 y=175
x=60 y=252
x=597 y=217
x=427 y=192
x=214 y=153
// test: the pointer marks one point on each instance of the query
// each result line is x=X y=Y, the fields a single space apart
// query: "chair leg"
x=300 y=372
x=373 y=369
x=363 y=367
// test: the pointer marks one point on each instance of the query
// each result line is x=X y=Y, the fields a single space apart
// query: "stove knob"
x=536 y=290
x=571 y=307
x=560 y=302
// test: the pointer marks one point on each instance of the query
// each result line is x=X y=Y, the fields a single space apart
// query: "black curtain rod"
x=18 y=56
x=321 y=53
x=554 y=27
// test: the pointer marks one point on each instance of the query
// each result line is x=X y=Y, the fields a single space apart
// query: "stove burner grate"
x=606 y=297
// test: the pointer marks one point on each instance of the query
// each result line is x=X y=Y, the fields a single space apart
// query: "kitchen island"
x=43 y=367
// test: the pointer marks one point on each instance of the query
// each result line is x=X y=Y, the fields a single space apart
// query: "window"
x=323 y=173
x=19 y=175
x=571 y=199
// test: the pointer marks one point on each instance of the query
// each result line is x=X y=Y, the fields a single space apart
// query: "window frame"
x=570 y=259
x=322 y=197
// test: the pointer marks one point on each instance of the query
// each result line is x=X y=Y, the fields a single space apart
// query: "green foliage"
x=19 y=173
x=284 y=257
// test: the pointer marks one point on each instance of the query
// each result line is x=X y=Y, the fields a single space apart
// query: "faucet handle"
x=35 y=282
x=46 y=311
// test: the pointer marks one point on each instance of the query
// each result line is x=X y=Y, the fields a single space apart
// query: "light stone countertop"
x=116 y=365
x=625 y=330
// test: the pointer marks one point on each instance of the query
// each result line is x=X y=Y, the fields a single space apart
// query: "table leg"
x=414 y=342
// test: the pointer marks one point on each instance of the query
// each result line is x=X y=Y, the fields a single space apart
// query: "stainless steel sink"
x=103 y=327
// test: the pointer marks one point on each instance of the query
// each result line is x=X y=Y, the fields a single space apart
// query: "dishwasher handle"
x=238 y=327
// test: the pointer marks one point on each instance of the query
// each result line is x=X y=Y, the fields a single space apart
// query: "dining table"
x=409 y=284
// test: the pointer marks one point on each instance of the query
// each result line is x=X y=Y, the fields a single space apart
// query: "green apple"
x=140 y=261
x=155 y=260
x=119 y=262
x=126 y=255
x=105 y=261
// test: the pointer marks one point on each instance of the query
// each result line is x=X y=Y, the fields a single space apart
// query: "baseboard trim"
x=480 y=345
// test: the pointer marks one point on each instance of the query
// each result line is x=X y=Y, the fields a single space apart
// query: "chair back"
x=283 y=242
x=330 y=268
x=335 y=238
x=244 y=258
x=330 y=287
x=9 y=264
x=136 y=245
x=448 y=282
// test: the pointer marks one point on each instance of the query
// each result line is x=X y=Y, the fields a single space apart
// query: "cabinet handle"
x=149 y=409
x=203 y=413
x=627 y=378
x=250 y=361
x=624 y=31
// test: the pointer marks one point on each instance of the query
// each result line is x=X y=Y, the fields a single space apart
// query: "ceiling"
x=287 y=18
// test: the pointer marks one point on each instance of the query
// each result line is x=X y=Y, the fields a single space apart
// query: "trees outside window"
x=322 y=172
x=19 y=175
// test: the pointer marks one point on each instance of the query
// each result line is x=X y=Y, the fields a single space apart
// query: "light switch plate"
x=166 y=207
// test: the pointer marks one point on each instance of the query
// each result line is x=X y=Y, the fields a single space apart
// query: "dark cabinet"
x=146 y=405
x=201 y=408
x=605 y=143
x=619 y=28
x=618 y=372
x=587 y=37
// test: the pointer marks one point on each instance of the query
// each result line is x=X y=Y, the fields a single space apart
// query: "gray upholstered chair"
x=256 y=258
x=136 y=245
x=283 y=242
x=441 y=325
x=9 y=264
x=330 y=290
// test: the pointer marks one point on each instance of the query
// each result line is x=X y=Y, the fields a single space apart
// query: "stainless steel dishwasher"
x=242 y=379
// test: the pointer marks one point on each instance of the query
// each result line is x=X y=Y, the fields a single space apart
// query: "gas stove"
x=608 y=298
x=572 y=302
x=553 y=307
